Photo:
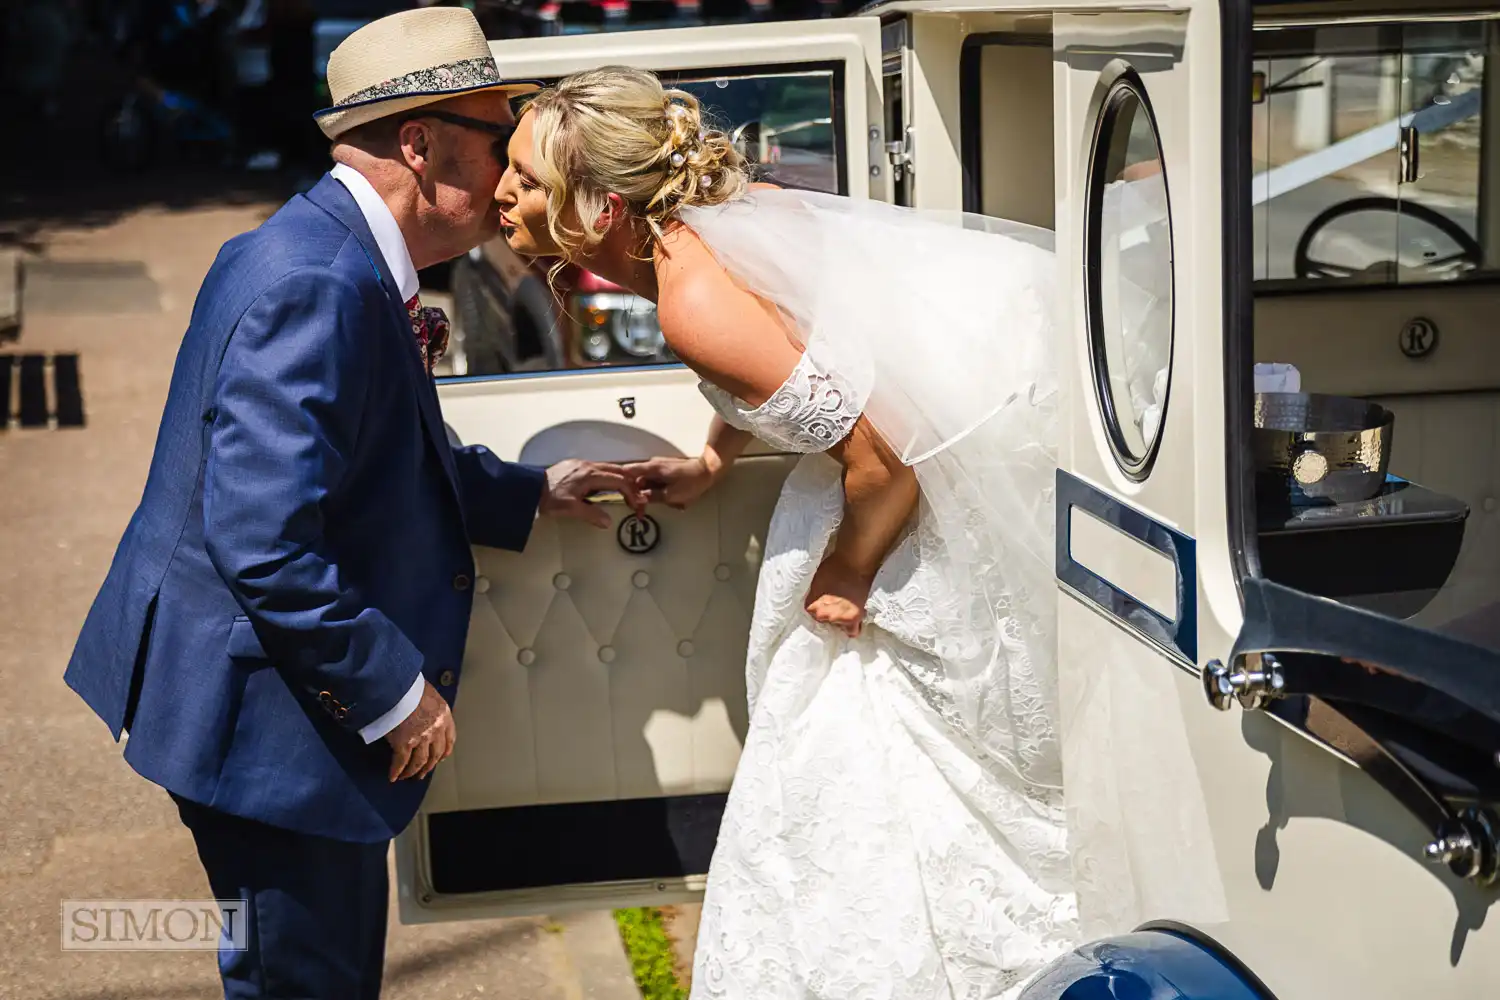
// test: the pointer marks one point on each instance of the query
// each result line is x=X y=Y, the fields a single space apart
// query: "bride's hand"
x=838 y=593
x=676 y=482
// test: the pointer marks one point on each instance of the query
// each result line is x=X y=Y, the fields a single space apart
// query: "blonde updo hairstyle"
x=617 y=130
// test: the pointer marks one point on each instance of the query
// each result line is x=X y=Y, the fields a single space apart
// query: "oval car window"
x=1129 y=247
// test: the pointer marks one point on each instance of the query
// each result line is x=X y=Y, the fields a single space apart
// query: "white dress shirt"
x=393 y=248
x=383 y=225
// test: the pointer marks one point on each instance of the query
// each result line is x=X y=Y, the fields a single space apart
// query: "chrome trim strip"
x=1176 y=636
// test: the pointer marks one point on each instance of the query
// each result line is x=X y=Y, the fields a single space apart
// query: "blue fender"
x=1147 y=965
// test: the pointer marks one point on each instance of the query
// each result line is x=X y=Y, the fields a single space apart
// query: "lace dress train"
x=870 y=849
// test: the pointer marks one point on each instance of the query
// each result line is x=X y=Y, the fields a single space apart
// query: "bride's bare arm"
x=677 y=482
x=738 y=343
x=880 y=494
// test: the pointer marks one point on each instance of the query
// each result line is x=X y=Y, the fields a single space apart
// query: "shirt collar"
x=383 y=227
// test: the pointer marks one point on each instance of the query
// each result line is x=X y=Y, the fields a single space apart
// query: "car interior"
x=1375 y=222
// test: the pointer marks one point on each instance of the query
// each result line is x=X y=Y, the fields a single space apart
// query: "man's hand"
x=570 y=482
x=424 y=738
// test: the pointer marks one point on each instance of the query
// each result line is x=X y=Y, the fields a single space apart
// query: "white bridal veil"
x=942 y=325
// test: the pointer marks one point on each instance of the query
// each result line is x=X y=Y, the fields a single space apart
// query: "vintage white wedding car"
x=1284 y=716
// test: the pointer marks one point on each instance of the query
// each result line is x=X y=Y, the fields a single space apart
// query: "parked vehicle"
x=1230 y=183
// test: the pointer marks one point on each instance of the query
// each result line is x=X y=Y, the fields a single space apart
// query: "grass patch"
x=650 y=953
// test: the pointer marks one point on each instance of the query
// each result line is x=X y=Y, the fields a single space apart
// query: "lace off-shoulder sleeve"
x=813 y=410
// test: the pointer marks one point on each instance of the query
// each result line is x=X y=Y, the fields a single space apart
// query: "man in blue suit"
x=282 y=629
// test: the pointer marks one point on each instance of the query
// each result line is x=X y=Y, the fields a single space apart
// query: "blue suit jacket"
x=302 y=549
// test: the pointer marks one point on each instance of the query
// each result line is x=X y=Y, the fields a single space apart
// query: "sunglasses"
x=502 y=133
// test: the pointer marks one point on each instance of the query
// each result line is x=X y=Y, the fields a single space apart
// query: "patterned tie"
x=430 y=325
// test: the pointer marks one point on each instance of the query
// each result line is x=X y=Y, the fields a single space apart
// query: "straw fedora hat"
x=406 y=60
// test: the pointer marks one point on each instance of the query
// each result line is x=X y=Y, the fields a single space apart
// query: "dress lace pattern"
x=871 y=849
x=812 y=411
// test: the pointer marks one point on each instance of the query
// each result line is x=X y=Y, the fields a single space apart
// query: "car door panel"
x=602 y=707
x=590 y=676
x=1291 y=854
x=1142 y=556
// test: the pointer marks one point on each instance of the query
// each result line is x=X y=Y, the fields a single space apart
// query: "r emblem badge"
x=1419 y=337
x=638 y=533
x=627 y=407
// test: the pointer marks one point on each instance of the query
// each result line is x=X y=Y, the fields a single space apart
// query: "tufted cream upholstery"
x=594 y=674
x=1447 y=405
x=1452 y=444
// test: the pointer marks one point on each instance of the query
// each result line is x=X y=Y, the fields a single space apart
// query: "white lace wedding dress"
x=896 y=827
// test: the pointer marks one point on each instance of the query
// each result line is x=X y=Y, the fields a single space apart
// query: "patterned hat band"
x=466 y=74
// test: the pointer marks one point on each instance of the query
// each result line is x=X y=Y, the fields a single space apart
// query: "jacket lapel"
x=335 y=199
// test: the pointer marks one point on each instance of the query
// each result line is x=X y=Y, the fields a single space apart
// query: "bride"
x=896 y=826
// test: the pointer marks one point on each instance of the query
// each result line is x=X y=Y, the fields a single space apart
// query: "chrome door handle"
x=1252 y=684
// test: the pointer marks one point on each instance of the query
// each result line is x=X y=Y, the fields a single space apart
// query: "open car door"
x=1345 y=805
x=602 y=706
x=1143 y=554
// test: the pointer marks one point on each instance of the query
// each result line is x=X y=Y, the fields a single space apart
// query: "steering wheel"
x=1305 y=266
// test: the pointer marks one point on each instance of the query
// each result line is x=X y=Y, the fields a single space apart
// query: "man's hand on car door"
x=571 y=482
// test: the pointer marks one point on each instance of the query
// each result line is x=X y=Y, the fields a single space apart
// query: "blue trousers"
x=317 y=908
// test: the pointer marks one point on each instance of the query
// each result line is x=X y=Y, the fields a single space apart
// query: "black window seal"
x=1118 y=79
x=1236 y=60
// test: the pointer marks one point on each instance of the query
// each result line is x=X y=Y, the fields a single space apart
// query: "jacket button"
x=446 y=678
x=460 y=582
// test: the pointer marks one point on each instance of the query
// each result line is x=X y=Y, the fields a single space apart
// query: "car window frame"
x=1117 y=78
